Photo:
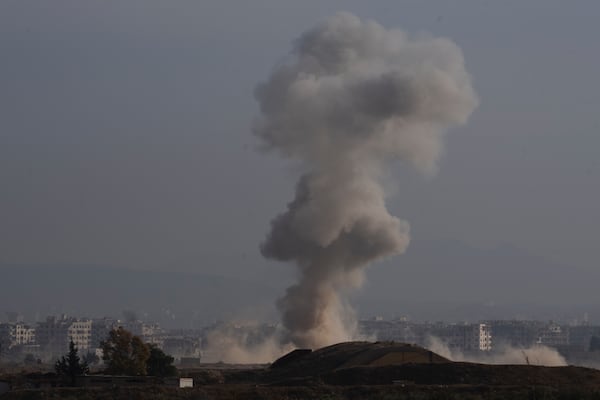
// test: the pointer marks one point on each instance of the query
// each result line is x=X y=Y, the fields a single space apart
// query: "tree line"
x=123 y=354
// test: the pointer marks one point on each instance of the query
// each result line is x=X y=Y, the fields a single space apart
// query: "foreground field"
x=252 y=392
x=356 y=370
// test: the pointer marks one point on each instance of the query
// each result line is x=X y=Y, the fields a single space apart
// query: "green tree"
x=71 y=365
x=91 y=358
x=124 y=353
x=159 y=363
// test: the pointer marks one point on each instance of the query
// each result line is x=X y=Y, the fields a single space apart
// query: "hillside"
x=342 y=356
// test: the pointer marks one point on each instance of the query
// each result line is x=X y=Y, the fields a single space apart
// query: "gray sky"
x=125 y=130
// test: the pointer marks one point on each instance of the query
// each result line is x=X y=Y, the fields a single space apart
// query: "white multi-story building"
x=14 y=334
x=465 y=337
x=54 y=334
x=24 y=334
x=485 y=337
x=80 y=332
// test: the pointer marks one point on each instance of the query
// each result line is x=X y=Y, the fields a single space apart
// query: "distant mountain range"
x=433 y=280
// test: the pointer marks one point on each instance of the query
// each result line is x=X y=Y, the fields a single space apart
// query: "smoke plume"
x=534 y=355
x=353 y=97
x=245 y=343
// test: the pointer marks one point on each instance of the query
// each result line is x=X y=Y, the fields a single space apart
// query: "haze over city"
x=126 y=143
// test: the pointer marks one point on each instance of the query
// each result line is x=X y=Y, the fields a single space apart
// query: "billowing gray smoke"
x=353 y=97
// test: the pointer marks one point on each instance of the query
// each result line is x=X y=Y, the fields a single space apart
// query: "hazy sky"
x=125 y=130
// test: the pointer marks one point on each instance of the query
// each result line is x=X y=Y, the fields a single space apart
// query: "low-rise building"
x=515 y=333
x=6 y=336
x=554 y=335
x=53 y=336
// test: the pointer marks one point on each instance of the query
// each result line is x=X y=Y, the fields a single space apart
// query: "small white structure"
x=186 y=382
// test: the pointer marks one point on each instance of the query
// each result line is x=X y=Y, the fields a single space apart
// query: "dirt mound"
x=386 y=363
x=305 y=363
x=290 y=358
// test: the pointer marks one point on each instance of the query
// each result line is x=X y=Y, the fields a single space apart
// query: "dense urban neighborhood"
x=23 y=342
